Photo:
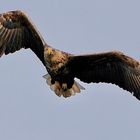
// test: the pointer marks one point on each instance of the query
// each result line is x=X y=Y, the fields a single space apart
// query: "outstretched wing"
x=16 y=32
x=111 y=67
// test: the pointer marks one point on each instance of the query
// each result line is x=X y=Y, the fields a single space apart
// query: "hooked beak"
x=49 y=51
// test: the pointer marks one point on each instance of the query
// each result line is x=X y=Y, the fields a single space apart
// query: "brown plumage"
x=17 y=31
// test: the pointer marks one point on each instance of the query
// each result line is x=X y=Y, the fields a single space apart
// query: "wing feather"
x=110 y=67
x=18 y=41
x=17 y=31
x=12 y=41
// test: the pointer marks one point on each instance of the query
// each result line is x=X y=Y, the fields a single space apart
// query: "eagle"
x=17 y=31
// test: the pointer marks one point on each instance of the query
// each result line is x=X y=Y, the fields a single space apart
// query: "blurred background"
x=29 y=110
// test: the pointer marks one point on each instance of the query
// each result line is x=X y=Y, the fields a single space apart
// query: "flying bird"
x=17 y=31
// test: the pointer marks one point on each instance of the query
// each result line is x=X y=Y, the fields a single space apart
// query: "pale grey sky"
x=29 y=110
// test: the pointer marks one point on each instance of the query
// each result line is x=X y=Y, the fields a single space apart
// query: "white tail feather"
x=59 y=91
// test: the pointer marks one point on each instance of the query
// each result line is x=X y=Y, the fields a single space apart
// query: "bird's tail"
x=59 y=91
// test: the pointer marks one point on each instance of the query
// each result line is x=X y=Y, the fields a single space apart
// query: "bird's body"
x=60 y=79
x=17 y=31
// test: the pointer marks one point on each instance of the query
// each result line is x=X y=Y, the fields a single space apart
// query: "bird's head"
x=49 y=54
x=53 y=56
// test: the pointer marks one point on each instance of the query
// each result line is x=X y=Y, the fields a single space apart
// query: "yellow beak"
x=50 y=51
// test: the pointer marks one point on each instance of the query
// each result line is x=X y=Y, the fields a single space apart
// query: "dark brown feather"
x=111 y=67
x=16 y=32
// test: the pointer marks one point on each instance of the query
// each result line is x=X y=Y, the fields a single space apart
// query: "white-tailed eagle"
x=17 y=31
